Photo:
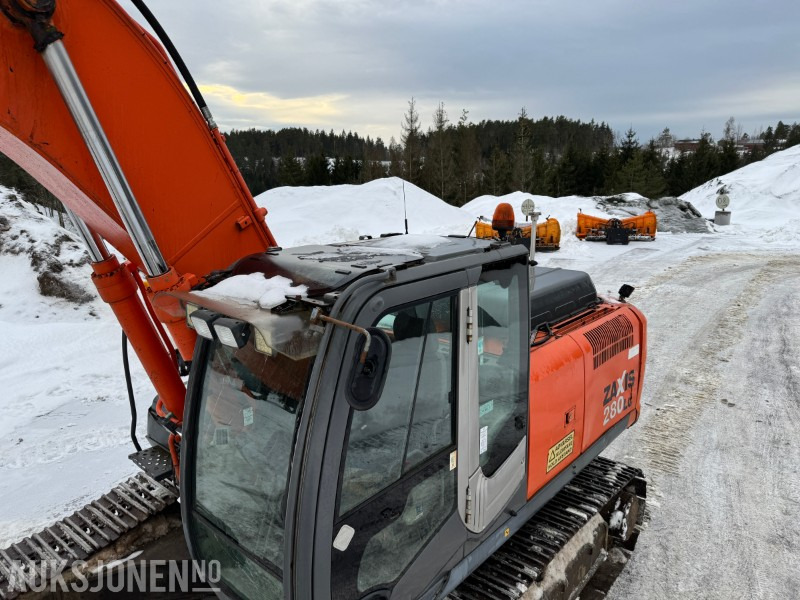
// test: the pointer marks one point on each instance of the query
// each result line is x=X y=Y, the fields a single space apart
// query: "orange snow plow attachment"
x=548 y=234
x=595 y=229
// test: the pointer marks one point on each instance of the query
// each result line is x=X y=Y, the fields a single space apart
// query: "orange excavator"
x=402 y=417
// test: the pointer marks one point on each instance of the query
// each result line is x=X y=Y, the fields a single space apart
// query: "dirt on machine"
x=400 y=417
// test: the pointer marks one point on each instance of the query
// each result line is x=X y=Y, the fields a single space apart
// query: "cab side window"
x=502 y=352
x=398 y=483
x=413 y=418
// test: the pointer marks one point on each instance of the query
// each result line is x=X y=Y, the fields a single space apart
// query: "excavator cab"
x=387 y=499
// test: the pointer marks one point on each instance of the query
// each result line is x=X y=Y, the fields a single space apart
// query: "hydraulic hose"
x=176 y=58
x=131 y=399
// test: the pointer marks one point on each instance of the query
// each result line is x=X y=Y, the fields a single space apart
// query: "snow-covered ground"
x=722 y=393
x=65 y=416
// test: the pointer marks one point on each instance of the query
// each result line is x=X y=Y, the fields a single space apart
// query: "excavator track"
x=90 y=532
x=553 y=556
x=601 y=508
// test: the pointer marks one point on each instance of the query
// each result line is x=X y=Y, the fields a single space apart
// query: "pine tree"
x=438 y=166
x=629 y=147
x=395 y=159
x=344 y=170
x=653 y=185
x=412 y=144
x=640 y=177
x=371 y=165
x=602 y=169
x=540 y=173
x=565 y=174
x=497 y=173
x=793 y=137
x=467 y=160
x=728 y=157
x=290 y=171
x=521 y=155
x=781 y=131
x=770 y=144
x=729 y=132
x=704 y=162
x=678 y=176
x=666 y=139
x=316 y=170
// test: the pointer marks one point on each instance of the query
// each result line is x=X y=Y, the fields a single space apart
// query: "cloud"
x=354 y=64
x=259 y=108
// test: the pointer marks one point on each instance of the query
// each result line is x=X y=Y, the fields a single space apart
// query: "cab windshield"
x=246 y=424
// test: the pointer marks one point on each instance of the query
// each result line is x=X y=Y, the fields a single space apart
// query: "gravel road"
x=718 y=437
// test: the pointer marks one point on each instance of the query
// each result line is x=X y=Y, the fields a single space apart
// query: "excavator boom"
x=199 y=210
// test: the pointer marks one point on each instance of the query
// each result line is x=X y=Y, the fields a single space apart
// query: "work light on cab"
x=232 y=332
x=202 y=319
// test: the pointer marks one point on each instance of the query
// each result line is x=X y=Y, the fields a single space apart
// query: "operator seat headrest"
x=407 y=325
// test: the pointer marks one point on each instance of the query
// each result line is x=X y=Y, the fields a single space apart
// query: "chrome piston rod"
x=69 y=84
x=95 y=246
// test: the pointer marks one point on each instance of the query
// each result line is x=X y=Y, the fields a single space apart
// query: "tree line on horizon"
x=460 y=160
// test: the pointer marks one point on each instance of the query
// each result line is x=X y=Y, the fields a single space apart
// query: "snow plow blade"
x=548 y=233
x=596 y=229
x=557 y=553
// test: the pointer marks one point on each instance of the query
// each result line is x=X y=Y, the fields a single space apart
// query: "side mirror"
x=367 y=378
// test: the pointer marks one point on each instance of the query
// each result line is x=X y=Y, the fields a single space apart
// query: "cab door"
x=493 y=392
x=396 y=523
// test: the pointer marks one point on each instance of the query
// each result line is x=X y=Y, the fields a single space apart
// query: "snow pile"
x=56 y=256
x=256 y=289
x=672 y=214
x=764 y=197
x=326 y=214
x=64 y=427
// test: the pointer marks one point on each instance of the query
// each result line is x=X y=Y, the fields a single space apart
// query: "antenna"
x=405 y=215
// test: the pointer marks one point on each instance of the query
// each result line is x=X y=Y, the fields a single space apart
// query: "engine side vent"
x=610 y=338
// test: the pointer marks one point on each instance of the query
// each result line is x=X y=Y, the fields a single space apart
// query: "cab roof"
x=325 y=268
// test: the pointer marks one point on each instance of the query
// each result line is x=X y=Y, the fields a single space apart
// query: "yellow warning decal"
x=560 y=451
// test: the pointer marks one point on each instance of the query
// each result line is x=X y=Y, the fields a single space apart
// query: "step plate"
x=155 y=461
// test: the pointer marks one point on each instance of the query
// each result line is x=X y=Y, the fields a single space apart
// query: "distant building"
x=687 y=145
x=749 y=144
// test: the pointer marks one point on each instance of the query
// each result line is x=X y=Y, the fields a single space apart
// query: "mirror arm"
x=317 y=316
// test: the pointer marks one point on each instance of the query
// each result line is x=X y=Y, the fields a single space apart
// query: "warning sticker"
x=484 y=439
x=560 y=451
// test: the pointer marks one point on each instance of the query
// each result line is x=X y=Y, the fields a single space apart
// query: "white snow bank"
x=64 y=432
x=764 y=197
x=256 y=289
x=326 y=214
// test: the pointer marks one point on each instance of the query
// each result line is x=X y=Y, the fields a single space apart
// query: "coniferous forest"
x=457 y=160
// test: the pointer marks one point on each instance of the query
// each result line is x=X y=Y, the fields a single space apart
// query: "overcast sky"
x=354 y=64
